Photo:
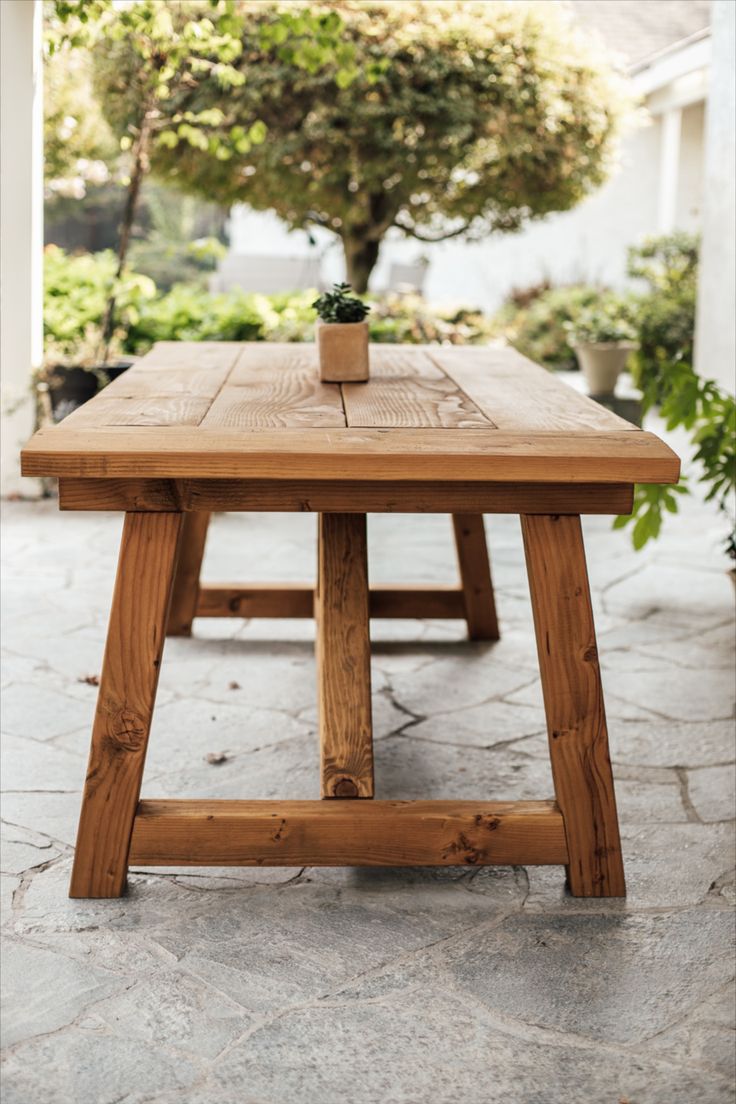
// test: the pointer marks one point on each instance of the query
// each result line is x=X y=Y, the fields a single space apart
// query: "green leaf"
x=257 y=132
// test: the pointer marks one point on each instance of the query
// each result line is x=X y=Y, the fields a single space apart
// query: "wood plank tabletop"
x=232 y=410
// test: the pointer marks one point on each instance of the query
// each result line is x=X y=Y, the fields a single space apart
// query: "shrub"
x=664 y=370
x=76 y=290
x=668 y=266
x=539 y=327
x=187 y=313
x=411 y=320
x=608 y=320
x=75 y=295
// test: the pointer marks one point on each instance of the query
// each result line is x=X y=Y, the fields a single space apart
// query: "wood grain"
x=517 y=394
x=144 y=382
x=130 y=670
x=165 y=410
x=343 y=657
x=185 y=595
x=352 y=833
x=206 y=355
x=573 y=701
x=363 y=496
x=446 y=455
x=289 y=400
x=276 y=386
x=475 y=576
x=407 y=391
x=297 y=600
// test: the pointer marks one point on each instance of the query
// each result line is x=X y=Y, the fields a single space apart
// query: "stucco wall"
x=715 y=346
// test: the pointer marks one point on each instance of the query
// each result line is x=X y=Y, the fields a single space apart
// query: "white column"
x=669 y=169
x=715 y=328
x=21 y=230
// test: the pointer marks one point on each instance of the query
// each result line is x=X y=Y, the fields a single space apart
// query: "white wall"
x=715 y=338
x=21 y=237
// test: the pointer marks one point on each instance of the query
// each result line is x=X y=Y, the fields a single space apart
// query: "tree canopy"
x=452 y=119
x=157 y=55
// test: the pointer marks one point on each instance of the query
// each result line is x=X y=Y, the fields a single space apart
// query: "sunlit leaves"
x=449 y=102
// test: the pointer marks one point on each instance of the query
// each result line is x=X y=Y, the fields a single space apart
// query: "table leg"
x=573 y=700
x=475 y=576
x=343 y=657
x=125 y=702
x=186 y=581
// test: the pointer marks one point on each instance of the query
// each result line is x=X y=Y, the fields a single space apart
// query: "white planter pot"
x=343 y=351
x=602 y=362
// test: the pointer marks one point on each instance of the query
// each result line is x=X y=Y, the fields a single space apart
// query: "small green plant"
x=606 y=321
x=663 y=369
x=339 y=306
x=700 y=406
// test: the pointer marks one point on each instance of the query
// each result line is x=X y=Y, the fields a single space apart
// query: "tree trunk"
x=360 y=260
x=140 y=165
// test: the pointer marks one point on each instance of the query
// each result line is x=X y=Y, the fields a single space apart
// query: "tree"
x=79 y=148
x=459 y=119
x=171 y=53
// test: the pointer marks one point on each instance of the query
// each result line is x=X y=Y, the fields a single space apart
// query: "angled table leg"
x=573 y=701
x=475 y=576
x=343 y=657
x=185 y=594
x=125 y=702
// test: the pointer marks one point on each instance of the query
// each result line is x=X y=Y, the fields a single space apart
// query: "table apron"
x=349 y=496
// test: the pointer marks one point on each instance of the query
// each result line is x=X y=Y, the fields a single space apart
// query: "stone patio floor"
x=365 y=986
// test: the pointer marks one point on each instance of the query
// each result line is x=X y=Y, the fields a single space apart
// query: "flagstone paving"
x=269 y=986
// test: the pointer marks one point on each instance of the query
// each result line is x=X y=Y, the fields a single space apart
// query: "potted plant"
x=603 y=337
x=70 y=377
x=342 y=336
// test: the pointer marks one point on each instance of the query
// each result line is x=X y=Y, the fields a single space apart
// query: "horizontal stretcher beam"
x=266 y=600
x=346 y=496
x=347 y=833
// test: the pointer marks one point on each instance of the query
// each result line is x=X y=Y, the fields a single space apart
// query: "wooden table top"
x=232 y=410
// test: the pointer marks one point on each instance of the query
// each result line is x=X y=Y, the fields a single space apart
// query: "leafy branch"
x=180 y=52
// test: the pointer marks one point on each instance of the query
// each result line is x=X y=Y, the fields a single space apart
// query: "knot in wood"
x=128 y=730
x=345 y=787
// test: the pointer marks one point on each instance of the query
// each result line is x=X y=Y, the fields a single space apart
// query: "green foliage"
x=409 y=319
x=651 y=501
x=79 y=146
x=537 y=324
x=338 y=306
x=608 y=319
x=172 y=52
x=668 y=268
x=665 y=373
x=179 y=243
x=451 y=118
x=193 y=47
x=76 y=290
x=187 y=314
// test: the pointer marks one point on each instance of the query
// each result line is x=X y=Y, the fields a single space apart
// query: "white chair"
x=266 y=274
x=406 y=278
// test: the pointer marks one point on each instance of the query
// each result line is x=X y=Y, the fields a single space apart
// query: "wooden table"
x=195 y=428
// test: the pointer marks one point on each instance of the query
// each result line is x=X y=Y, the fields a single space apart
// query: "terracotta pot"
x=343 y=351
x=602 y=362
